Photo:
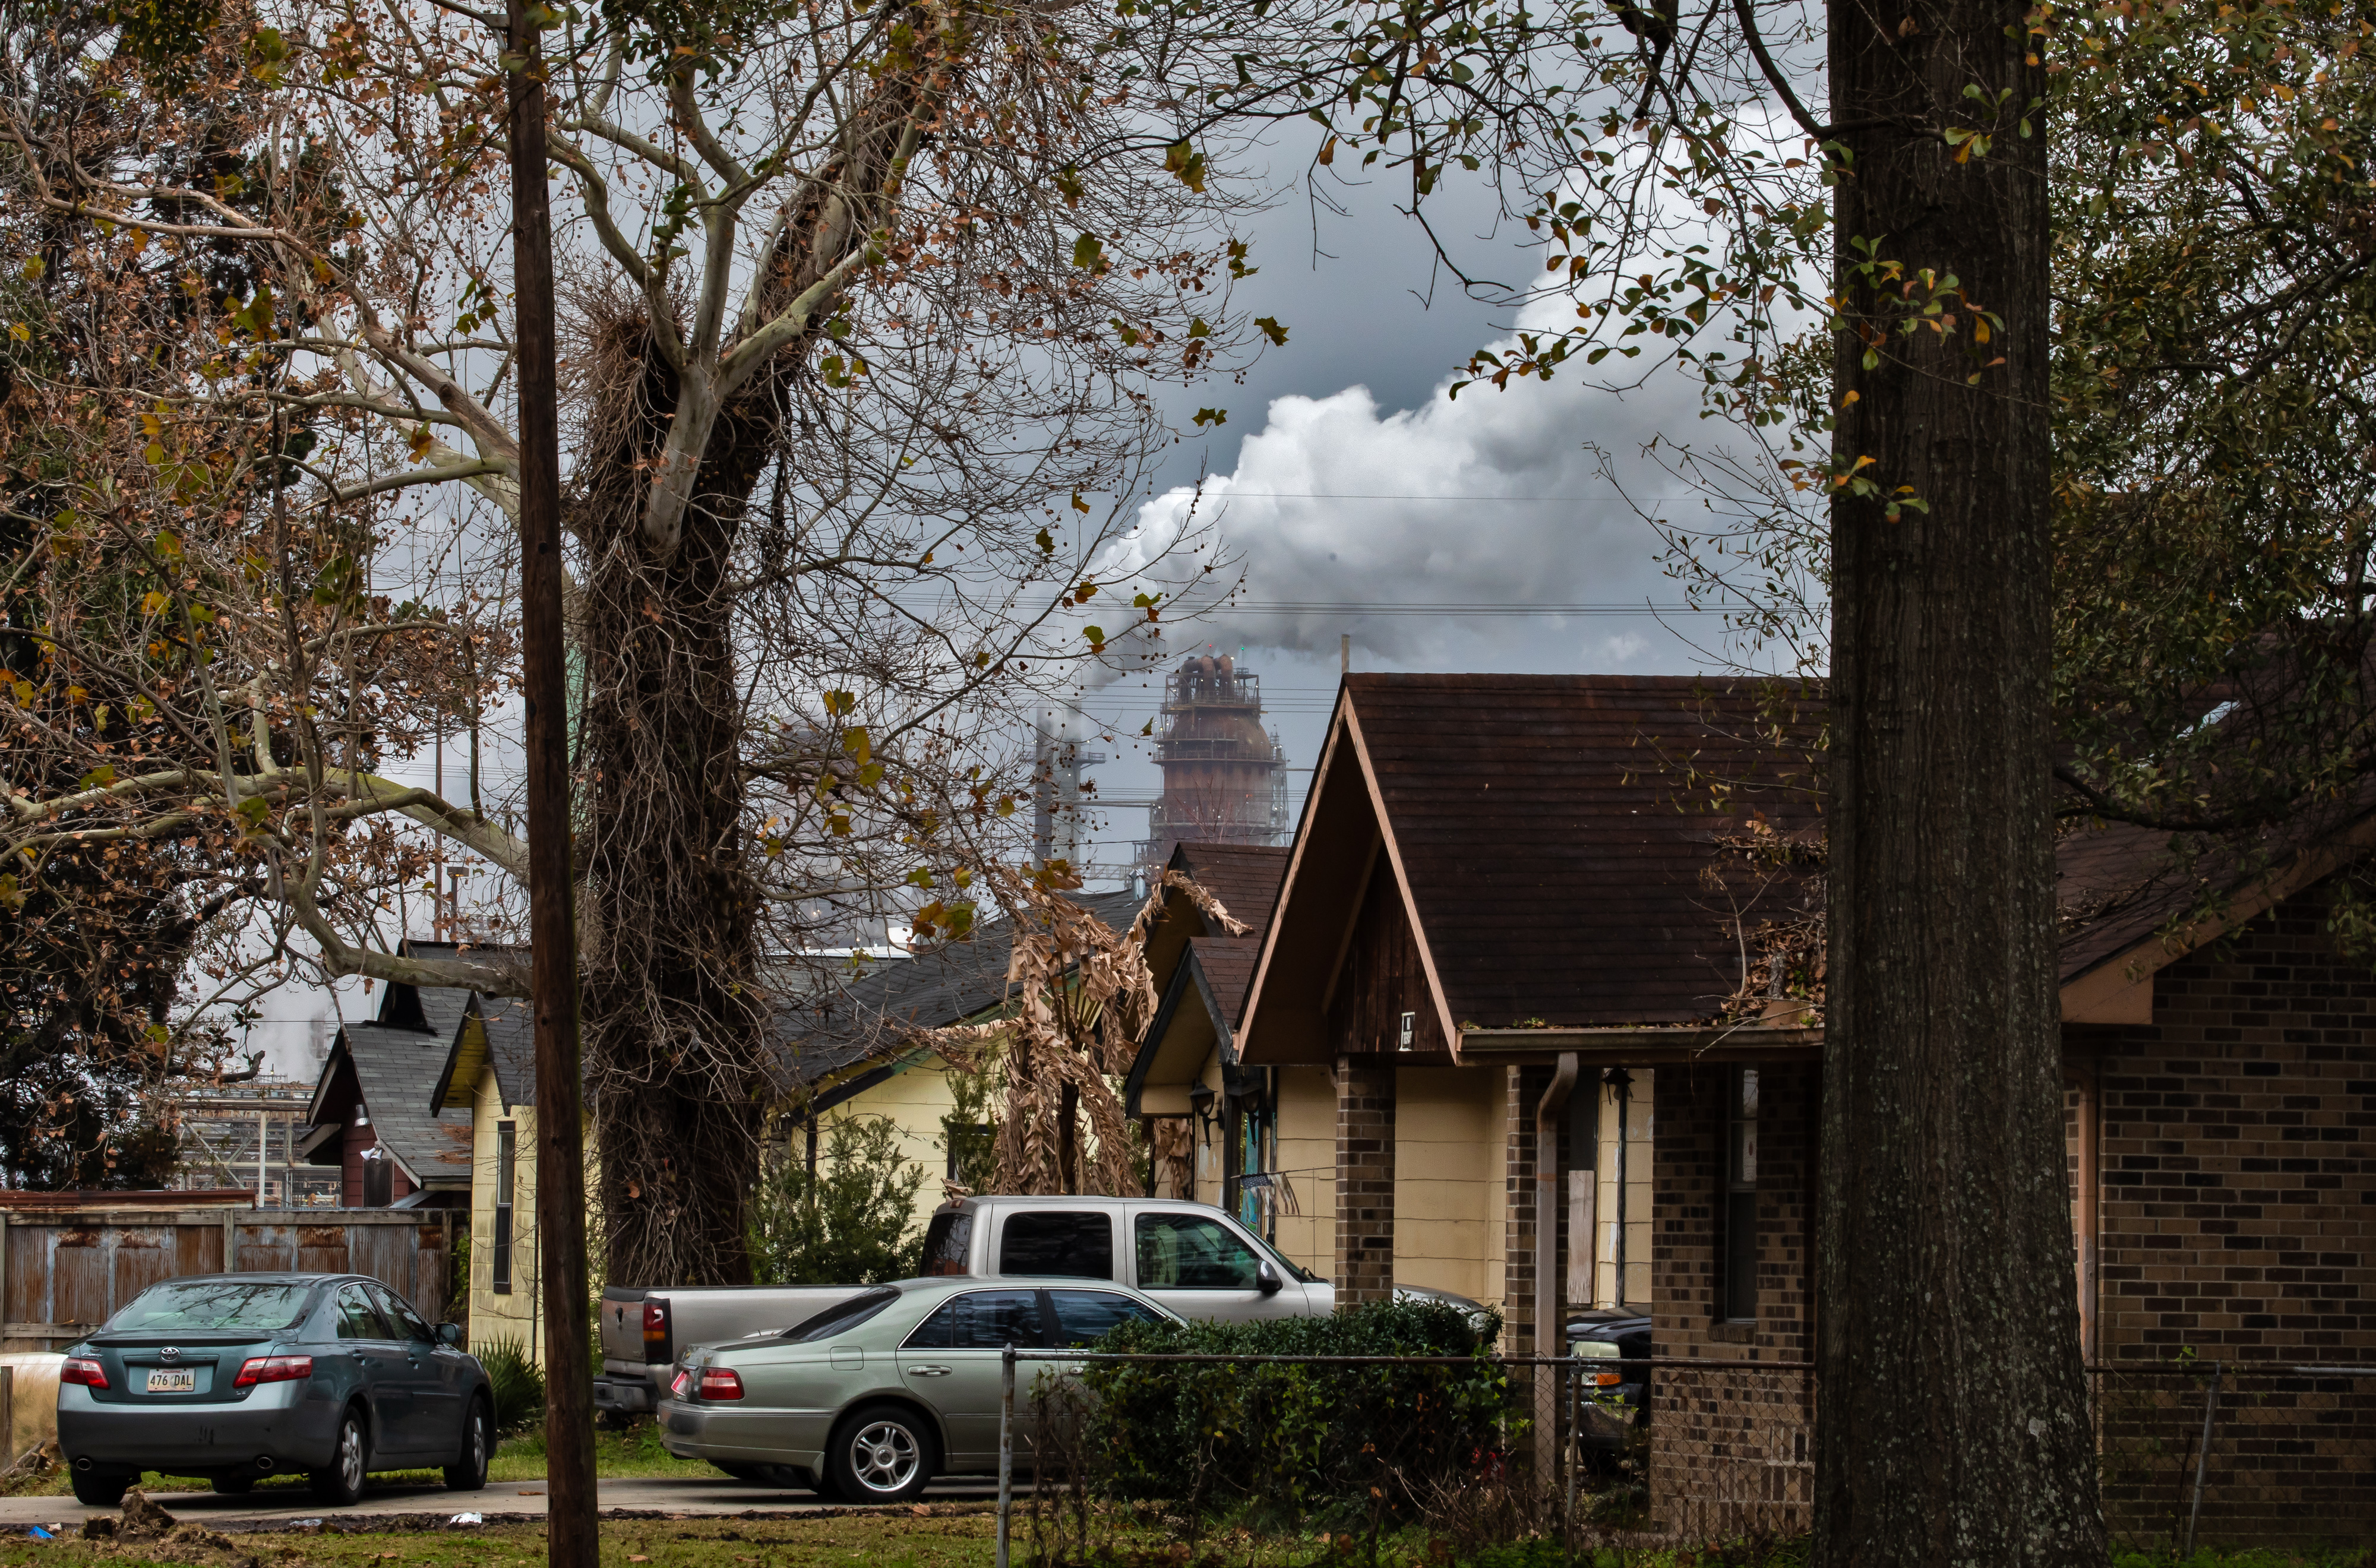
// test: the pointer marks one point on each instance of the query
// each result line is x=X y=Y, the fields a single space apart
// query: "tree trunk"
x=675 y=1019
x=674 y=1025
x=1954 y=1418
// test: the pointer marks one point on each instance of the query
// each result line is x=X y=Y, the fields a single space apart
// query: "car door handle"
x=930 y=1372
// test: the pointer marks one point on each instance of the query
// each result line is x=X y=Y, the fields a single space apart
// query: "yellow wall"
x=517 y=1315
x=916 y=1101
x=1307 y=1153
x=1448 y=1179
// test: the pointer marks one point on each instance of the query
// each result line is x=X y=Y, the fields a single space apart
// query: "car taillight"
x=273 y=1368
x=656 y=1332
x=683 y=1381
x=1607 y=1380
x=717 y=1383
x=84 y=1370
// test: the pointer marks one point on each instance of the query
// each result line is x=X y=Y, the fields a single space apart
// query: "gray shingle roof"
x=877 y=1014
x=395 y=1068
x=510 y=1023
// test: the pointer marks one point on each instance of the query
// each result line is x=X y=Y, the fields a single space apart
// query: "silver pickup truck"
x=1195 y=1259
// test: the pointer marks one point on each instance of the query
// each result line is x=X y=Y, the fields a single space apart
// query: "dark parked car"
x=1614 y=1397
x=234 y=1376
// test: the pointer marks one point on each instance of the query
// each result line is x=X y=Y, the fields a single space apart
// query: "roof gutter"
x=1643 y=1046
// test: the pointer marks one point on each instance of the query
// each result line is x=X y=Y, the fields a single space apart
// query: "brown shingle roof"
x=1227 y=966
x=1552 y=830
x=1245 y=877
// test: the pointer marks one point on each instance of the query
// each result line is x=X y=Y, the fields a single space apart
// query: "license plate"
x=172 y=1381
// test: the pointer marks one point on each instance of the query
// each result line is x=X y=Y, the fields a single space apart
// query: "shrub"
x=1297 y=1440
x=517 y=1381
x=852 y=1221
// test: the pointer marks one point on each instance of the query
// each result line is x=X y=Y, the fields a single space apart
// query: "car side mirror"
x=1266 y=1278
x=450 y=1334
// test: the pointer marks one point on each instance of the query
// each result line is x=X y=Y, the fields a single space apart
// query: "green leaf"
x=1272 y=329
x=1088 y=253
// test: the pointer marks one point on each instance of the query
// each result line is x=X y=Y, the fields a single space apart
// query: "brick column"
x=1365 y=1184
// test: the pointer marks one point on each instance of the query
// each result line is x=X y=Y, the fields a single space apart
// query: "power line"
x=1340 y=607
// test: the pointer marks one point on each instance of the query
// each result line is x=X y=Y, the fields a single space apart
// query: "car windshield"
x=1287 y=1265
x=212 y=1305
x=841 y=1316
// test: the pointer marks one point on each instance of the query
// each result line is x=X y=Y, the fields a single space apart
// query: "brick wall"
x=2236 y=1133
x=1732 y=1451
x=1365 y=1184
x=2238 y=1219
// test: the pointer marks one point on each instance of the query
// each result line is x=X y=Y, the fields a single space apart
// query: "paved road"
x=502 y=1501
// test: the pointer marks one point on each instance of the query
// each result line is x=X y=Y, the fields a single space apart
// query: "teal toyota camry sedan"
x=234 y=1376
x=874 y=1396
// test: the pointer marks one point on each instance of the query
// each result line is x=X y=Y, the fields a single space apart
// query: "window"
x=358 y=1319
x=402 y=1318
x=1188 y=1251
x=948 y=1245
x=1083 y=1317
x=1075 y=1245
x=506 y=1173
x=982 y=1320
x=1741 y=1198
x=210 y=1306
x=841 y=1316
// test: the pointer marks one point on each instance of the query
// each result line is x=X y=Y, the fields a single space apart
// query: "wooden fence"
x=63 y=1271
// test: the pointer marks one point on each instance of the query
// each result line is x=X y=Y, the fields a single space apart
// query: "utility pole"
x=572 y=1539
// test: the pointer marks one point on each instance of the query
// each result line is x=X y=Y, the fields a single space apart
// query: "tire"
x=468 y=1471
x=97 y=1491
x=235 y=1486
x=342 y=1482
x=879 y=1453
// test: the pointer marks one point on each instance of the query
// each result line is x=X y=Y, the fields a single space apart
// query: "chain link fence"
x=2221 y=1453
x=1253 y=1458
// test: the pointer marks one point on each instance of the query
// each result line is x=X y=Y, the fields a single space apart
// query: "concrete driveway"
x=414 y=1507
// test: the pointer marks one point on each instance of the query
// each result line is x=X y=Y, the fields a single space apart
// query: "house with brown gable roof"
x=1258 y=1142
x=1508 y=891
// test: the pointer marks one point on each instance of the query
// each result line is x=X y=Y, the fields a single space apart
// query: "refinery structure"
x=1224 y=775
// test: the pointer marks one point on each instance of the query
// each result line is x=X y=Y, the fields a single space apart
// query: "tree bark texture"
x=676 y=1026
x=1953 y=1424
x=573 y=1540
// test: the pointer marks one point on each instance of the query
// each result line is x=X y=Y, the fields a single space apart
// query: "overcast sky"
x=1344 y=477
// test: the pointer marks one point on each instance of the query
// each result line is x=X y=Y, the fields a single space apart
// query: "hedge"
x=1300 y=1439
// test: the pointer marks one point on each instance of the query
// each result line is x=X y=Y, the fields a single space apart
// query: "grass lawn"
x=636 y=1452
x=899 y=1541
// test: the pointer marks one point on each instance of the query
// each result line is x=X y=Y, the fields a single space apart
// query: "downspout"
x=1546 y=1294
x=1547 y=1114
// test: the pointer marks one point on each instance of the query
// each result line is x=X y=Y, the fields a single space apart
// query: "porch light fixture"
x=1200 y=1100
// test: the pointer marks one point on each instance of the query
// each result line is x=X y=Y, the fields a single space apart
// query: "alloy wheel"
x=351 y=1454
x=884 y=1456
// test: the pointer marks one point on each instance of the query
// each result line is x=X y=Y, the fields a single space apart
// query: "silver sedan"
x=872 y=1398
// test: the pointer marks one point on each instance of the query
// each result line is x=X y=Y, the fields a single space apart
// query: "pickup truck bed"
x=643 y=1328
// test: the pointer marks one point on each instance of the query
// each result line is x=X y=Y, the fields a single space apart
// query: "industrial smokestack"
x=1058 y=758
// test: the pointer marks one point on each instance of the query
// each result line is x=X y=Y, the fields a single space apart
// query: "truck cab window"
x=1068 y=1244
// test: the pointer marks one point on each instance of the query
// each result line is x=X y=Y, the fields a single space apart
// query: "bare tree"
x=859 y=308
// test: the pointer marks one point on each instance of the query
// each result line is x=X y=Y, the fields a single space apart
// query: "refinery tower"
x=1224 y=775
